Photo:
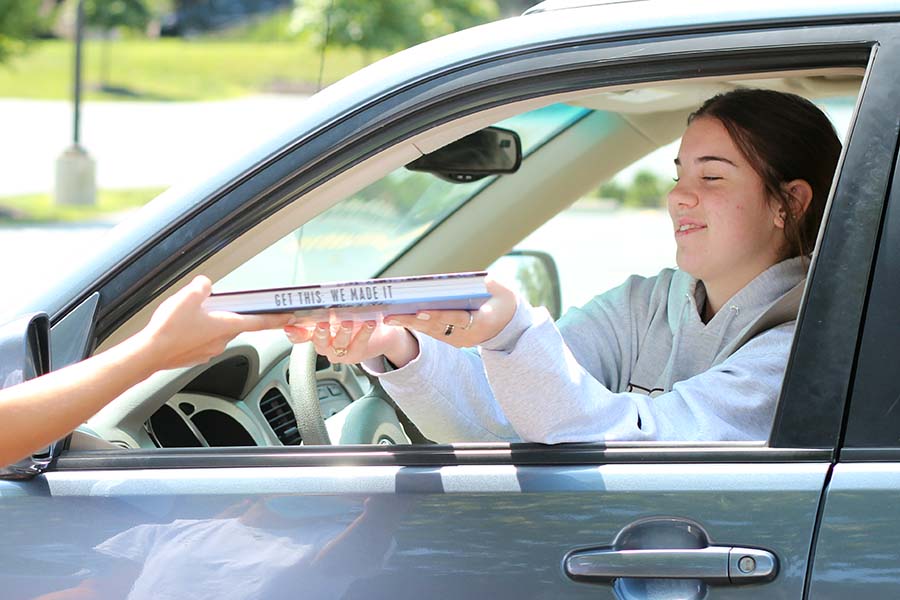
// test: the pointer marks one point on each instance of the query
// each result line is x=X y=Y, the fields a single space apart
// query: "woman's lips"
x=688 y=228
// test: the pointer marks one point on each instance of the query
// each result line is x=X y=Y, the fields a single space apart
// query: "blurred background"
x=172 y=88
x=161 y=77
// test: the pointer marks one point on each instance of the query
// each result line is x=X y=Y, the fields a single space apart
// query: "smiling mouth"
x=689 y=228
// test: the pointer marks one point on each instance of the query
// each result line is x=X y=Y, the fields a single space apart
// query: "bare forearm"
x=181 y=333
x=45 y=409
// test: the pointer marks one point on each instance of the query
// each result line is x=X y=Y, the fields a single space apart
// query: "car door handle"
x=713 y=564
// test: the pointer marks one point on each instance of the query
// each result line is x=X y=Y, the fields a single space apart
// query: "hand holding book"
x=465 y=329
x=353 y=342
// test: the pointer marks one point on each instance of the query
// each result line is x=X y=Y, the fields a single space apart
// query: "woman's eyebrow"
x=705 y=159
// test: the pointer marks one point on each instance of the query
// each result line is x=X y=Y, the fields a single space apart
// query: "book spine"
x=243 y=305
x=334 y=296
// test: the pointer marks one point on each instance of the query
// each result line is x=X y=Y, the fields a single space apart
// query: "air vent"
x=278 y=413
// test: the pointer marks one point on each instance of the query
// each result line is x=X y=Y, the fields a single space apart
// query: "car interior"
x=379 y=220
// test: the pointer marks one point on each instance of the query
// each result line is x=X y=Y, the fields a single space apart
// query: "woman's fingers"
x=358 y=348
x=463 y=328
x=298 y=334
x=342 y=338
x=440 y=319
x=364 y=335
x=321 y=338
x=455 y=327
x=433 y=321
x=348 y=343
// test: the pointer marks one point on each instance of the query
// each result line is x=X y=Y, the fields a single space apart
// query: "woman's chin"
x=687 y=264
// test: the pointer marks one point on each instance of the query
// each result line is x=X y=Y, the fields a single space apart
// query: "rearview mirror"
x=490 y=151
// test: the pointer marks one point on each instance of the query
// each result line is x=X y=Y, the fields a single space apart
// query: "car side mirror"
x=489 y=151
x=24 y=349
x=24 y=355
x=533 y=275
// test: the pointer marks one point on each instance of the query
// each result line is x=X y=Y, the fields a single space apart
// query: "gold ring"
x=471 y=320
x=449 y=329
x=340 y=352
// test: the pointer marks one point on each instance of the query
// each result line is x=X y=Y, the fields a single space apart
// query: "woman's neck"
x=720 y=291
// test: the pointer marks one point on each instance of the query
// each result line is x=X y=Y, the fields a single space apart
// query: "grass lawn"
x=39 y=208
x=174 y=69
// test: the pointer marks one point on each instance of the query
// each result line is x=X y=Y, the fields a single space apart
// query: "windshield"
x=364 y=233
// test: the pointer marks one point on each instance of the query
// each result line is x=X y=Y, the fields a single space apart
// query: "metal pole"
x=76 y=175
x=325 y=44
x=79 y=26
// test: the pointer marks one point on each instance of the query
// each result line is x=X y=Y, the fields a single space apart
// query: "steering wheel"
x=371 y=419
x=304 y=397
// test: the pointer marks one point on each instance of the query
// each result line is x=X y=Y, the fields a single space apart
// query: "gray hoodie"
x=635 y=363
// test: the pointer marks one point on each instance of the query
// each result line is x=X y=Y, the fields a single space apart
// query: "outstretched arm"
x=180 y=333
x=732 y=401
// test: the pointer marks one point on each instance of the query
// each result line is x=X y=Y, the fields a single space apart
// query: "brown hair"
x=784 y=137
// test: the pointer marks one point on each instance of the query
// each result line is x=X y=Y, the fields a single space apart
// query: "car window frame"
x=871 y=434
x=283 y=178
x=701 y=55
x=821 y=366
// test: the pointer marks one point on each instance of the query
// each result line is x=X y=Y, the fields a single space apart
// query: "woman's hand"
x=351 y=342
x=183 y=333
x=463 y=328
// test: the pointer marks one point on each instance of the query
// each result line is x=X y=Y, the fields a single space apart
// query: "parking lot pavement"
x=135 y=144
x=34 y=255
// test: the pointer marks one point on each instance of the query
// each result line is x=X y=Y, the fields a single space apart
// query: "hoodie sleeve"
x=446 y=392
x=734 y=400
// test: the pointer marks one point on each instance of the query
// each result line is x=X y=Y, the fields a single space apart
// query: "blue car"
x=204 y=482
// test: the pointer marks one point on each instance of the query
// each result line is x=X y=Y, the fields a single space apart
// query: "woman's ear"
x=800 y=193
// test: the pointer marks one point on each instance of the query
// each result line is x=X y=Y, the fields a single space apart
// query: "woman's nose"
x=681 y=195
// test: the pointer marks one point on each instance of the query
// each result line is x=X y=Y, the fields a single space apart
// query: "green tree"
x=19 y=21
x=156 y=10
x=110 y=16
x=387 y=25
x=647 y=190
x=611 y=190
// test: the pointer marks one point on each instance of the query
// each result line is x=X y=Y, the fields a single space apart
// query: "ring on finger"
x=448 y=329
x=471 y=320
x=340 y=352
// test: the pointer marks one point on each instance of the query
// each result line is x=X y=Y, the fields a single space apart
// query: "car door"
x=638 y=520
x=857 y=547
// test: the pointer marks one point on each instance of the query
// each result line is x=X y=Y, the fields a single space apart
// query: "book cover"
x=369 y=299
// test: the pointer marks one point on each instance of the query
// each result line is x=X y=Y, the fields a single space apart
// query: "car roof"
x=708 y=12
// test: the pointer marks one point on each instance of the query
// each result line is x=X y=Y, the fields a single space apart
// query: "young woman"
x=696 y=353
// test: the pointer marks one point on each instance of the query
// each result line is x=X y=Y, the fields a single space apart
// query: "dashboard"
x=211 y=410
x=241 y=399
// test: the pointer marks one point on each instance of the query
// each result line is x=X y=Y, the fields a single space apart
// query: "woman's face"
x=726 y=230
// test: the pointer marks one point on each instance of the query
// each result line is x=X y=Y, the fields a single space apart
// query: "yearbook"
x=370 y=299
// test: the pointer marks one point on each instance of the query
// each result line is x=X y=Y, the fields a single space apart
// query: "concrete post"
x=75 y=178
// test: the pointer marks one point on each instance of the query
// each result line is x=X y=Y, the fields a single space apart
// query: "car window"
x=361 y=235
x=596 y=244
x=587 y=240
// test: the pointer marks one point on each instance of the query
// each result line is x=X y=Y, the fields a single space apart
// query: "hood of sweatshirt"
x=696 y=346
